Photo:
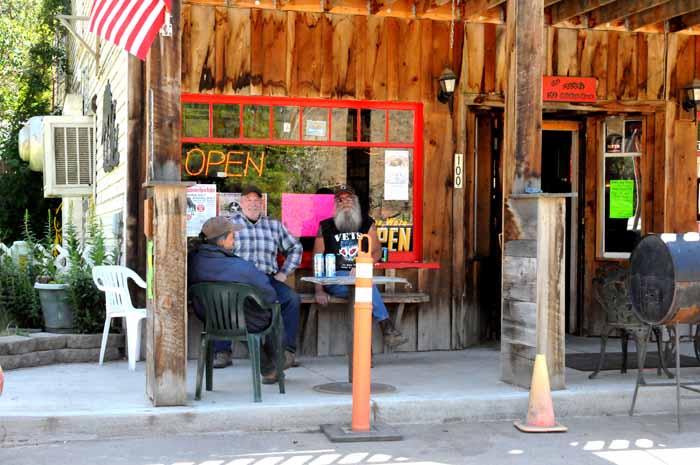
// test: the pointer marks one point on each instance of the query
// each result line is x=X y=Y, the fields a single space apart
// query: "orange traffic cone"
x=540 y=412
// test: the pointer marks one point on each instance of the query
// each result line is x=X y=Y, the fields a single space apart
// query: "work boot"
x=222 y=359
x=392 y=336
x=289 y=359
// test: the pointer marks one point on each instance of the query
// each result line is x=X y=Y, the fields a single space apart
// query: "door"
x=560 y=174
x=487 y=197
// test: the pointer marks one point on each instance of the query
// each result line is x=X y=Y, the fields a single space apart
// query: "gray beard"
x=348 y=220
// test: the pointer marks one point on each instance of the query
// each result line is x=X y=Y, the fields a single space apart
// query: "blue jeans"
x=290 y=303
x=379 y=311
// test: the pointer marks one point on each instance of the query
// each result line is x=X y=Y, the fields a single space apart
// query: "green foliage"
x=87 y=301
x=19 y=303
x=29 y=61
x=42 y=263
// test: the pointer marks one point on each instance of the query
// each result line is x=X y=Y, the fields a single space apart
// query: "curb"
x=36 y=429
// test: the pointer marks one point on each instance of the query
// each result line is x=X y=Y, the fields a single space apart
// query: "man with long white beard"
x=339 y=235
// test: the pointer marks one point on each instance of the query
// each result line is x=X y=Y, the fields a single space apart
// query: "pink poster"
x=301 y=213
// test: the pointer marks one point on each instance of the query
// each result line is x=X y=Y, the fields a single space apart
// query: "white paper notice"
x=396 y=174
x=201 y=205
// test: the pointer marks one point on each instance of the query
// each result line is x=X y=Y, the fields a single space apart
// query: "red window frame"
x=417 y=145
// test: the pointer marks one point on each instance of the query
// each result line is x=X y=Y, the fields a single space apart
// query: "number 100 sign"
x=459 y=170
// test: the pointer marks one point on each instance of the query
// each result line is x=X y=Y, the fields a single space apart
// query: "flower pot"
x=58 y=313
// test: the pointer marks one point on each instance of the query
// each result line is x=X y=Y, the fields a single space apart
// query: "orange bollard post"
x=362 y=337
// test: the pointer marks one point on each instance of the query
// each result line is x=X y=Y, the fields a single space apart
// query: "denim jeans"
x=290 y=303
x=379 y=311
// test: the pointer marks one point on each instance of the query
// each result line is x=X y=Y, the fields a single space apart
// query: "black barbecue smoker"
x=664 y=283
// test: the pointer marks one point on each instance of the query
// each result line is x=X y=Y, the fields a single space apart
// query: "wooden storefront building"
x=553 y=184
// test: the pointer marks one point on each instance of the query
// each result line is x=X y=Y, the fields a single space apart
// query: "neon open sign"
x=216 y=163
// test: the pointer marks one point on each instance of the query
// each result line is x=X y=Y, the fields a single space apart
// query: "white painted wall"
x=88 y=78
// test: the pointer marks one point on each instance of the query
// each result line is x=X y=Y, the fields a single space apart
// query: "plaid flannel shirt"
x=260 y=242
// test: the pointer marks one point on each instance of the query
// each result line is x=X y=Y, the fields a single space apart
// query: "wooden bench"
x=399 y=298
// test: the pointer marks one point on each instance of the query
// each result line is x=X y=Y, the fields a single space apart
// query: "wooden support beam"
x=684 y=22
x=525 y=58
x=166 y=359
x=620 y=9
x=662 y=13
x=348 y=7
x=312 y=6
x=568 y=9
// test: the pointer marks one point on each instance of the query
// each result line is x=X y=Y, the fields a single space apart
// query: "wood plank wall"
x=286 y=53
x=265 y=52
x=629 y=66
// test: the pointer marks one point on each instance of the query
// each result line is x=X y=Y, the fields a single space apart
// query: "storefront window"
x=621 y=212
x=303 y=145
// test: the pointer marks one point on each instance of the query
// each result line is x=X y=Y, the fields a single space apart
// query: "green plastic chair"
x=223 y=305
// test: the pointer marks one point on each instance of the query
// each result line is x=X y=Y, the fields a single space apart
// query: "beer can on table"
x=330 y=265
x=318 y=265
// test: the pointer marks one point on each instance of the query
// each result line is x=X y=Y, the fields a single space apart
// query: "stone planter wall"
x=47 y=348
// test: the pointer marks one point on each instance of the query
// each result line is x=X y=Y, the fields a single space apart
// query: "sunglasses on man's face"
x=344 y=198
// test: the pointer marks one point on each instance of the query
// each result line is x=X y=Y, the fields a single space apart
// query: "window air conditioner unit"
x=69 y=147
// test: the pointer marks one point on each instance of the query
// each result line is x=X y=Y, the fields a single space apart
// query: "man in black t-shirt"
x=340 y=235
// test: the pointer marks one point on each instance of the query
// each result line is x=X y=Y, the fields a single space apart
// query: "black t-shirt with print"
x=343 y=244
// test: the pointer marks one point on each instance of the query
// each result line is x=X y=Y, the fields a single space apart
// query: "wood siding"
x=262 y=52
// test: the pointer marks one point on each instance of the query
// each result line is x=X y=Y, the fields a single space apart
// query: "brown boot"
x=392 y=336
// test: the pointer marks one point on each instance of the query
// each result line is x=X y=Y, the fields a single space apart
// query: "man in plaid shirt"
x=259 y=242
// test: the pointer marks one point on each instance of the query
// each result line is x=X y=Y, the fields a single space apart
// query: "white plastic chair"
x=113 y=280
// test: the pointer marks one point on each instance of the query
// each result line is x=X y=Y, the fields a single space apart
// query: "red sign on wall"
x=569 y=89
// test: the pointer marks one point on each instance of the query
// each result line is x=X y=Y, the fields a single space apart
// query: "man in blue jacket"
x=214 y=260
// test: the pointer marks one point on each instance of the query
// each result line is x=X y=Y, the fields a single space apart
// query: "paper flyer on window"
x=201 y=205
x=396 y=174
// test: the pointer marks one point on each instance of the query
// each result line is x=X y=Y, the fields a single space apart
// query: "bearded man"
x=340 y=235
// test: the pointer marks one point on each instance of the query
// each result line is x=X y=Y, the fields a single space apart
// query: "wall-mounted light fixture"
x=448 y=82
x=691 y=97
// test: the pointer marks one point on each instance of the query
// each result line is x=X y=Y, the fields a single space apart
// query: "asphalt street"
x=646 y=440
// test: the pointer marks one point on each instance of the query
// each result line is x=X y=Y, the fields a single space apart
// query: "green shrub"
x=19 y=302
x=87 y=301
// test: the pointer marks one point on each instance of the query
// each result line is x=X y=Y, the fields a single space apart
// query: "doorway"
x=561 y=173
x=488 y=208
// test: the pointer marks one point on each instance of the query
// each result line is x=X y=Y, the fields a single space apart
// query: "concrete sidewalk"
x=86 y=401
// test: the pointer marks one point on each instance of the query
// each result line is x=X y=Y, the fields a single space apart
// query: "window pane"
x=256 y=121
x=391 y=197
x=274 y=169
x=400 y=126
x=195 y=120
x=623 y=213
x=315 y=123
x=286 y=123
x=373 y=125
x=227 y=121
x=344 y=124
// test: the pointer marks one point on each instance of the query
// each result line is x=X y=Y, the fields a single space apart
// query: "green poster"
x=149 y=270
x=621 y=198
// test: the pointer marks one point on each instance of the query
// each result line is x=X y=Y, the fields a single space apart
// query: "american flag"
x=129 y=24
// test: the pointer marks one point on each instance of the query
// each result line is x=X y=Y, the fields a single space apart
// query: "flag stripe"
x=129 y=24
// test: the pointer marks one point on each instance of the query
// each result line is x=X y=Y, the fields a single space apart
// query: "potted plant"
x=49 y=282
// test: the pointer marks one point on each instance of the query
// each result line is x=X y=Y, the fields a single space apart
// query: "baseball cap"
x=251 y=188
x=343 y=189
x=218 y=226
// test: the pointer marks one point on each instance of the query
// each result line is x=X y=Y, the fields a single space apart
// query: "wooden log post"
x=532 y=296
x=166 y=333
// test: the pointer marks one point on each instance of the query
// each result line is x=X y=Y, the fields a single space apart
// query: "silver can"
x=330 y=265
x=318 y=265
